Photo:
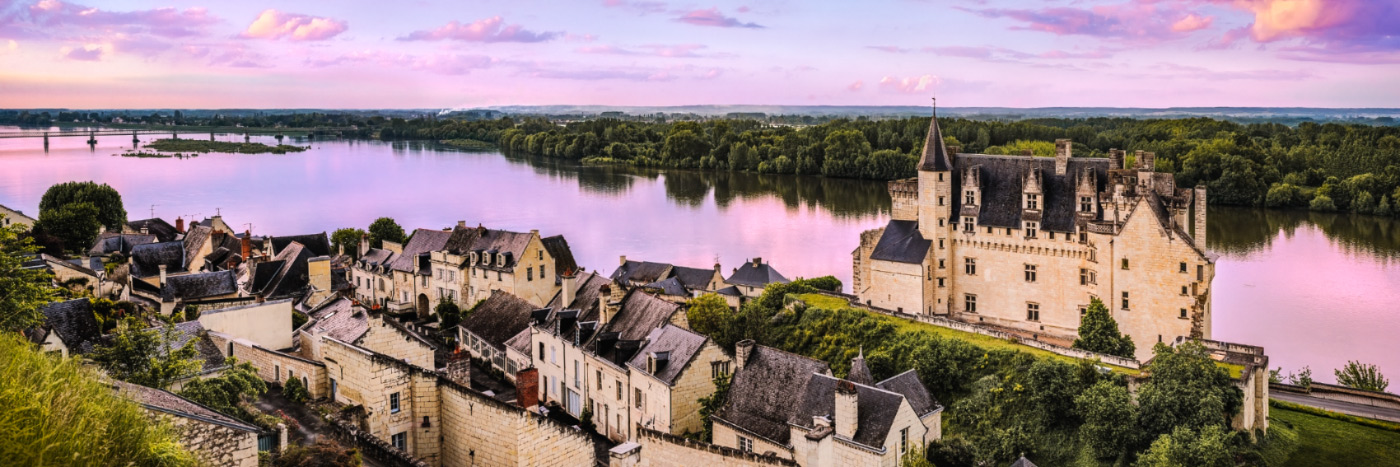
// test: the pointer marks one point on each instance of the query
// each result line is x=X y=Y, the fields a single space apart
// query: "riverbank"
x=195 y=145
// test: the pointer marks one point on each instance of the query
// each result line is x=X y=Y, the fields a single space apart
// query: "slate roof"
x=875 y=409
x=74 y=324
x=521 y=342
x=730 y=291
x=319 y=244
x=163 y=401
x=284 y=275
x=1023 y=462
x=935 y=154
x=902 y=243
x=694 y=278
x=376 y=257
x=422 y=242
x=1000 y=184
x=194 y=240
x=671 y=286
x=761 y=395
x=640 y=272
x=112 y=242
x=860 y=372
x=908 y=385
x=585 y=303
x=163 y=231
x=208 y=352
x=639 y=314
x=679 y=345
x=461 y=239
x=756 y=276
x=499 y=318
x=340 y=319
x=558 y=248
x=146 y=259
x=199 y=285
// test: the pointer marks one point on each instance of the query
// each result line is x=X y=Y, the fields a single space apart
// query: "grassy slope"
x=1326 y=442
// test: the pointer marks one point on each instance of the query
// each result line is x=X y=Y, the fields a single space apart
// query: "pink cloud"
x=84 y=54
x=669 y=51
x=910 y=85
x=888 y=48
x=273 y=24
x=1192 y=22
x=59 y=20
x=491 y=29
x=1147 y=20
x=643 y=7
x=712 y=17
x=856 y=86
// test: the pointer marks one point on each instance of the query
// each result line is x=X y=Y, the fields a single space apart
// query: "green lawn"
x=1326 y=442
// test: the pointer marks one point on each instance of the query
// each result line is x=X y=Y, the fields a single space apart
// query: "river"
x=1312 y=289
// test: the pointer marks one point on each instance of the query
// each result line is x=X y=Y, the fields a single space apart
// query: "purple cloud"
x=669 y=51
x=273 y=24
x=59 y=20
x=491 y=29
x=1148 y=20
x=642 y=8
x=712 y=17
x=84 y=54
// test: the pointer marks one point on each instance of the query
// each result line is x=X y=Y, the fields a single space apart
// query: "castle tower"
x=935 y=212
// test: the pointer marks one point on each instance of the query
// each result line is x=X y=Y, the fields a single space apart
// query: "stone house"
x=370 y=274
x=69 y=274
x=753 y=276
x=1025 y=243
x=478 y=261
x=10 y=217
x=412 y=270
x=214 y=438
x=792 y=407
x=556 y=339
x=668 y=281
x=485 y=334
x=69 y=328
x=343 y=320
x=185 y=254
x=163 y=231
x=113 y=243
x=674 y=369
x=210 y=355
x=173 y=292
x=622 y=329
x=268 y=324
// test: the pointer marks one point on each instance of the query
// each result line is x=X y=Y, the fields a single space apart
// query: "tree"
x=710 y=315
x=1362 y=376
x=711 y=404
x=842 y=149
x=147 y=357
x=349 y=239
x=110 y=210
x=56 y=411
x=1110 y=419
x=230 y=393
x=1186 y=389
x=382 y=229
x=1207 y=447
x=449 y=314
x=294 y=391
x=1098 y=332
x=22 y=291
x=74 y=226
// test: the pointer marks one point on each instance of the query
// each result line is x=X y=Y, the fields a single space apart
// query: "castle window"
x=904 y=439
x=940 y=244
x=940 y=222
x=928 y=272
x=745 y=444
x=1031 y=228
x=529 y=274
x=1183 y=267
x=1083 y=237
x=1087 y=277
x=941 y=264
x=394 y=403
x=1032 y=312
x=970 y=266
x=970 y=303
x=1125 y=300
x=969 y=224
x=941 y=201
x=1200 y=272
x=940 y=282
x=971 y=197
x=1183 y=313
x=1125 y=263
x=1032 y=201
x=1052 y=235
x=1086 y=204
x=1183 y=290
x=940 y=176
x=399 y=441
x=1030 y=273
x=1083 y=310
x=989 y=229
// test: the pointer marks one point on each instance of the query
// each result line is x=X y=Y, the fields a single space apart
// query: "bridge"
x=92 y=135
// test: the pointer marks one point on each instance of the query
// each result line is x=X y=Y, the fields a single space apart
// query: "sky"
x=90 y=54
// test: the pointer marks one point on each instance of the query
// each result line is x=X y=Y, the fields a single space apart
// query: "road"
x=1349 y=408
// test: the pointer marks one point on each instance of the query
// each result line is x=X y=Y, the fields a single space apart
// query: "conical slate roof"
x=935 y=156
x=860 y=372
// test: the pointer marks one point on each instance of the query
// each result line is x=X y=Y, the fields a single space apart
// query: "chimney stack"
x=461 y=224
x=847 y=413
x=742 y=350
x=1199 y=236
x=534 y=232
x=621 y=260
x=604 y=295
x=1064 y=149
x=1115 y=159
x=566 y=286
x=162 y=275
x=180 y=224
x=1148 y=161
x=247 y=244
x=364 y=245
x=757 y=262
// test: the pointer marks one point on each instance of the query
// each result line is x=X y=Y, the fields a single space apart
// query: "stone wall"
x=483 y=431
x=727 y=436
x=268 y=324
x=656 y=449
x=694 y=383
x=1154 y=283
x=387 y=338
x=216 y=444
x=273 y=366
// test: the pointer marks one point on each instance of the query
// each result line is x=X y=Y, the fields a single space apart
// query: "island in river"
x=195 y=145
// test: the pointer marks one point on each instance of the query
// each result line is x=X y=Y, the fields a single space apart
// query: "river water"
x=1313 y=289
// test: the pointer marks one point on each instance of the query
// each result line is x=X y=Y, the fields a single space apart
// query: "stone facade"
x=216 y=444
x=269 y=323
x=675 y=408
x=10 y=217
x=274 y=366
x=656 y=449
x=1034 y=240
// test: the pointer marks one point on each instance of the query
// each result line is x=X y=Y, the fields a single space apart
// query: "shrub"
x=294 y=391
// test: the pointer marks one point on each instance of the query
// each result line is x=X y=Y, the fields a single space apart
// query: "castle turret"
x=935 y=211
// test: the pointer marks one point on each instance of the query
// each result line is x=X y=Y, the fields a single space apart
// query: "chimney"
x=247 y=245
x=566 y=288
x=180 y=224
x=604 y=313
x=162 y=275
x=757 y=262
x=318 y=270
x=364 y=245
x=1148 y=161
x=1137 y=159
x=621 y=260
x=534 y=232
x=144 y=230
x=461 y=224
x=1064 y=150
x=340 y=249
x=1115 y=159
x=1200 y=218
x=846 y=409
x=742 y=350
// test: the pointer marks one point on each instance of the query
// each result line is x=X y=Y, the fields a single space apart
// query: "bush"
x=1322 y=202
x=448 y=313
x=827 y=283
x=294 y=391
x=322 y=454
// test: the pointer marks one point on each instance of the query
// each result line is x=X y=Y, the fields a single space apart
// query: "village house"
x=791 y=407
x=163 y=231
x=492 y=325
x=175 y=291
x=670 y=282
x=70 y=274
x=556 y=338
x=10 y=217
x=411 y=270
x=673 y=370
x=478 y=261
x=69 y=328
x=1026 y=242
x=370 y=274
x=753 y=276
x=214 y=438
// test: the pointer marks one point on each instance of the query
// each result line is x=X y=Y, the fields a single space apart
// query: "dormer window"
x=969 y=224
x=971 y=197
x=1032 y=201
x=1031 y=228
x=1086 y=204
x=501 y=259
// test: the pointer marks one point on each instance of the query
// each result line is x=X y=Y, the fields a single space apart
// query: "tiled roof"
x=902 y=243
x=563 y=255
x=521 y=342
x=694 y=278
x=1023 y=462
x=639 y=314
x=163 y=231
x=340 y=319
x=503 y=241
x=499 y=318
x=679 y=346
x=640 y=272
x=112 y=242
x=422 y=242
x=935 y=154
x=74 y=324
x=908 y=385
x=166 y=402
x=1000 y=184
x=731 y=291
x=317 y=243
x=194 y=240
x=860 y=372
x=875 y=409
x=585 y=302
x=671 y=286
x=208 y=351
x=461 y=240
x=146 y=259
x=761 y=397
x=284 y=275
x=199 y=285
x=756 y=276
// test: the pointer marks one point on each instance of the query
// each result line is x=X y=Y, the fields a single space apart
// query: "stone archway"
x=423 y=308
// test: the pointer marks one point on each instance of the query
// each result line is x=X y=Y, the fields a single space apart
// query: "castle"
x=1024 y=243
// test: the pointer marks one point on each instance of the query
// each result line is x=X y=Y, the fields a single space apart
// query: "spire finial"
x=935 y=102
